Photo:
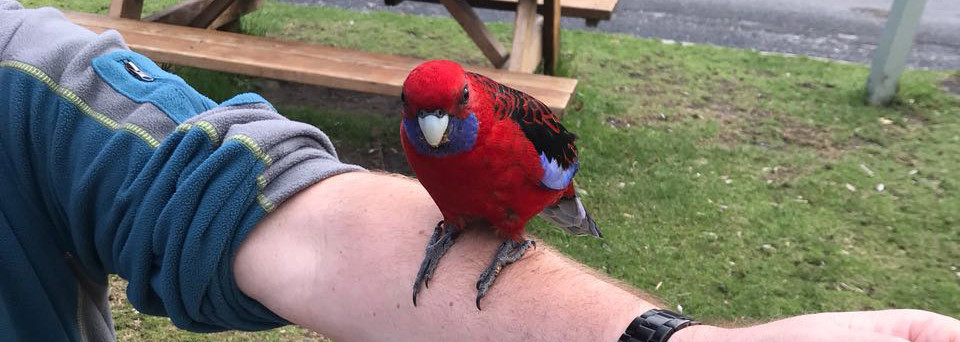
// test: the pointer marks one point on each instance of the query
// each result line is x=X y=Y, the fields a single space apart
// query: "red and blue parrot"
x=486 y=152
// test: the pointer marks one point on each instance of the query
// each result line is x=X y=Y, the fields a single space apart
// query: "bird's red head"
x=436 y=85
x=437 y=108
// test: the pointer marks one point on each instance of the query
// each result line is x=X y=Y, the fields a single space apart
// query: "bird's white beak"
x=434 y=126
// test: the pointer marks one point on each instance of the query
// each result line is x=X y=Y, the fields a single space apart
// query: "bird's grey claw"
x=437 y=246
x=509 y=252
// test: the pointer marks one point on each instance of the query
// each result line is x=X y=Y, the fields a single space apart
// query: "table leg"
x=526 y=51
x=551 y=36
x=186 y=12
x=478 y=32
x=210 y=13
x=128 y=9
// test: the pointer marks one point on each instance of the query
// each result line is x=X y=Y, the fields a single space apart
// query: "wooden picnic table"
x=298 y=61
x=535 y=37
x=185 y=34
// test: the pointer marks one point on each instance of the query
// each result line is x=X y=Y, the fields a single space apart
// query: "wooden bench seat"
x=298 y=61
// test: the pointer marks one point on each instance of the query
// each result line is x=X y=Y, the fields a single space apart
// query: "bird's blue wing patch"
x=555 y=176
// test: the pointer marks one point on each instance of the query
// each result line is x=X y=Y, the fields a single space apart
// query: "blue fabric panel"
x=246 y=98
x=166 y=91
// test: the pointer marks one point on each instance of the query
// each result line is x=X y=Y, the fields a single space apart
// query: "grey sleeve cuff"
x=297 y=154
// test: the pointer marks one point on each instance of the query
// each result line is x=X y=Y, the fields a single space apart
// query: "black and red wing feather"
x=535 y=119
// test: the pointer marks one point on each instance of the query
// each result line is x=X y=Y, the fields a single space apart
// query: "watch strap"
x=655 y=326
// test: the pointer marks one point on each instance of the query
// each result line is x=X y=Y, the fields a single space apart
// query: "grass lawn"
x=742 y=186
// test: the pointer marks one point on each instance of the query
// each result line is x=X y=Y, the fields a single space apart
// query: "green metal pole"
x=891 y=55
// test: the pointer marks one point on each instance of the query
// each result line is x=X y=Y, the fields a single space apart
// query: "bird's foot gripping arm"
x=440 y=242
x=508 y=252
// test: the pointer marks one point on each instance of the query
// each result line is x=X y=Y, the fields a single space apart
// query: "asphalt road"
x=837 y=29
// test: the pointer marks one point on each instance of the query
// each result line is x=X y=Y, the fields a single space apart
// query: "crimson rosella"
x=486 y=152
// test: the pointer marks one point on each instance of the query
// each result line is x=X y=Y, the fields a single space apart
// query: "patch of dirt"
x=282 y=93
x=118 y=294
x=815 y=137
x=739 y=122
x=381 y=152
x=805 y=136
x=800 y=134
x=640 y=89
x=780 y=175
x=812 y=85
x=755 y=127
x=620 y=122
x=951 y=84
x=913 y=118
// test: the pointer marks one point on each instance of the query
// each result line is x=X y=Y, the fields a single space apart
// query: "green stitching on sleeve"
x=210 y=130
x=206 y=127
x=265 y=203
x=75 y=99
x=65 y=93
x=254 y=147
x=138 y=131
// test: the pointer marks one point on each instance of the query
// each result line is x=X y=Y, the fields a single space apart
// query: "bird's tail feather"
x=569 y=214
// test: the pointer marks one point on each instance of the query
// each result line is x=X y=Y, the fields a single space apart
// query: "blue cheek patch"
x=554 y=176
x=461 y=137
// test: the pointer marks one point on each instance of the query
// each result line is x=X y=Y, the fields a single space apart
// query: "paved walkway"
x=838 y=29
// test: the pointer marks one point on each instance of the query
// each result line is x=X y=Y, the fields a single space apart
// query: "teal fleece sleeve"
x=116 y=166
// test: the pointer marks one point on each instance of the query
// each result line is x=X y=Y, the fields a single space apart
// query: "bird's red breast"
x=497 y=181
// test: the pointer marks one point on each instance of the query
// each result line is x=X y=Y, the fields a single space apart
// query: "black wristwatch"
x=655 y=326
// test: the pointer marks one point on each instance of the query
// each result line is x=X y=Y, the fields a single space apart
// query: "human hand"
x=863 y=326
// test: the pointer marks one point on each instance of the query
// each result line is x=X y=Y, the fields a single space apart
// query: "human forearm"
x=350 y=247
x=340 y=258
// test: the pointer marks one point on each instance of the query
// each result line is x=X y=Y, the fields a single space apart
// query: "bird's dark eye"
x=466 y=95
